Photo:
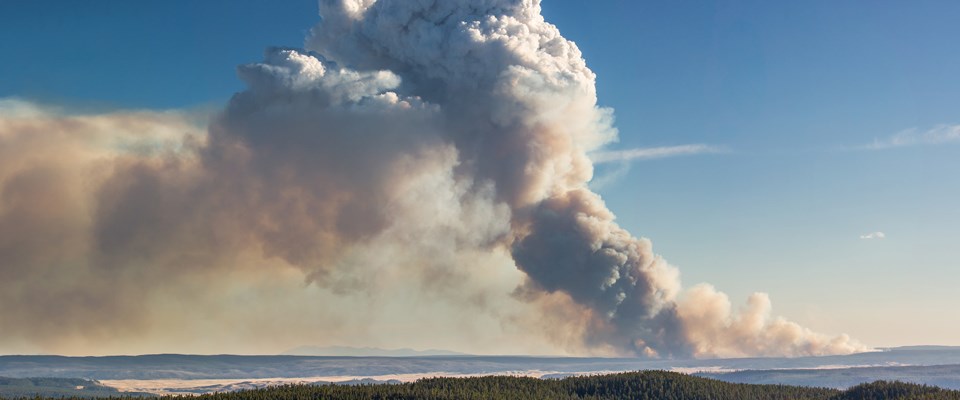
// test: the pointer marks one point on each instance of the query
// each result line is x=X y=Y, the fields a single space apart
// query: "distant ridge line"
x=347 y=351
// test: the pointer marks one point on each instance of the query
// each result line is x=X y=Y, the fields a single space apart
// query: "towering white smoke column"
x=416 y=148
x=519 y=104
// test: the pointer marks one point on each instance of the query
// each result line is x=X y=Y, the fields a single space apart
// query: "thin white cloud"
x=648 y=153
x=873 y=235
x=609 y=176
x=939 y=134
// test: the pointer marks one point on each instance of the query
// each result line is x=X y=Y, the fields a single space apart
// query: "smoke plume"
x=426 y=154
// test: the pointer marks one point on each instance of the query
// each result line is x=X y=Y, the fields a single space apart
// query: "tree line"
x=642 y=385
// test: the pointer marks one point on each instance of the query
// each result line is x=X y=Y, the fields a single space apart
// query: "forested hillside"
x=653 y=385
x=56 y=387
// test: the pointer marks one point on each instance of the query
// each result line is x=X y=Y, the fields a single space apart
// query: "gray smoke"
x=520 y=105
x=416 y=153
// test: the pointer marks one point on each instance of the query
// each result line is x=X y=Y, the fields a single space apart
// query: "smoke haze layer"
x=422 y=166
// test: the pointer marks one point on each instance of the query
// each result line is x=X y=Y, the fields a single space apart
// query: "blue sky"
x=795 y=93
x=791 y=89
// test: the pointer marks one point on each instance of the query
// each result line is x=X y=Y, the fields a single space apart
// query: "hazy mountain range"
x=347 y=351
x=934 y=365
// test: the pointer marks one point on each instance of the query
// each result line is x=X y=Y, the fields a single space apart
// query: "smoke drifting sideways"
x=427 y=155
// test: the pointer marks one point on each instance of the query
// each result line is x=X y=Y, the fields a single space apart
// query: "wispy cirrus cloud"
x=648 y=153
x=873 y=235
x=940 y=134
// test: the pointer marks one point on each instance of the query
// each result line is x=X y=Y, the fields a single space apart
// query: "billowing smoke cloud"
x=435 y=151
x=714 y=329
x=145 y=232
